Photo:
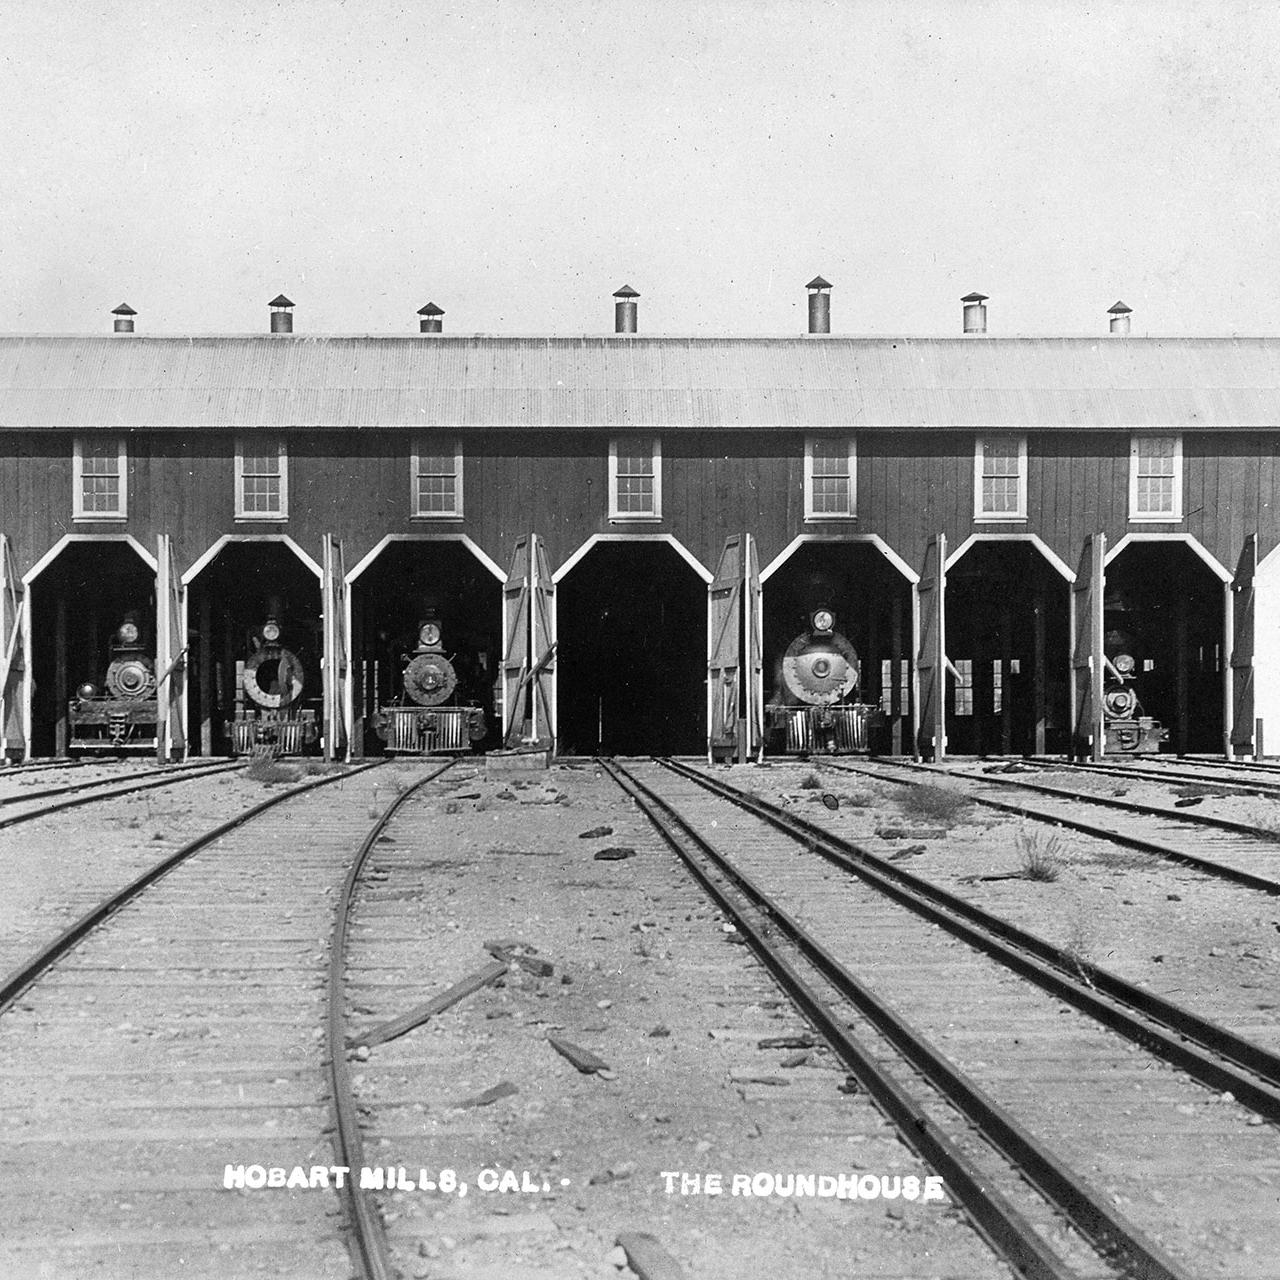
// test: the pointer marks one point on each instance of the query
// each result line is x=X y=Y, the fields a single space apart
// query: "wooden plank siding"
x=910 y=486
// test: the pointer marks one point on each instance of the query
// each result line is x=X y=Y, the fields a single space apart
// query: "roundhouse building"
x=621 y=534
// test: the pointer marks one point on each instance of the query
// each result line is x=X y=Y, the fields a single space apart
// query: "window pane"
x=1000 y=495
x=436 y=493
x=1155 y=494
x=1000 y=456
x=100 y=462
x=262 y=493
x=101 y=493
x=435 y=465
x=262 y=464
x=830 y=458
x=635 y=493
x=831 y=495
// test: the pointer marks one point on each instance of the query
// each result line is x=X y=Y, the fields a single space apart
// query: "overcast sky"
x=516 y=162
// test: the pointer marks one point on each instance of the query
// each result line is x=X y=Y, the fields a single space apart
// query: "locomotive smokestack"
x=124 y=314
x=281 y=315
x=819 y=305
x=1120 y=318
x=975 y=312
x=431 y=321
x=624 y=310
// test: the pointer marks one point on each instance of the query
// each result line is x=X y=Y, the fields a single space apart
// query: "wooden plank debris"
x=585 y=1061
x=437 y=1004
x=647 y=1258
x=511 y=951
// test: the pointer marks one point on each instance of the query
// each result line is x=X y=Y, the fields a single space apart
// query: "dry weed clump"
x=935 y=804
x=268 y=771
x=1042 y=854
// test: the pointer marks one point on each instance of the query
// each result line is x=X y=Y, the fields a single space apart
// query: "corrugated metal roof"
x=311 y=382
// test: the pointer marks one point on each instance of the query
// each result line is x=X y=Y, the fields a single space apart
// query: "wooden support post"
x=204 y=675
x=231 y=697
x=1038 y=658
x=358 y=674
x=898 y=708
x=60 y=682
x=1006 y=671
x=1182 y=711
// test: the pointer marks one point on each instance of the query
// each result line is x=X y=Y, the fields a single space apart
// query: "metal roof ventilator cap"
x=975 y=312
x=124 y=314
x=624 y=310
x=281 y=314
x=1120 y=318
x=819 y=305
x=431 y=321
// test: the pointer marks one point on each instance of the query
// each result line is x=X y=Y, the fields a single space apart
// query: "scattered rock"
x=595 y=833
x=910 y=851
x=659 y=1032
x=912 y=833
x=753 y=1075
x=795 y=1060
x=1173 y=897
x=786 y=1042
x=1187 y=801
x=614 y=853
x=832 y=802
x=503 y=1090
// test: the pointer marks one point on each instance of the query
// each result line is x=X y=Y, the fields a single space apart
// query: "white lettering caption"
x=838 y=1186
x=256 y=1177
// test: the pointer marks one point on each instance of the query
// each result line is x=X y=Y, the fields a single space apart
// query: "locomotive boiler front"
x=817 y=681
x=126 y=715
x=424 y=721
x=269 y=716
x=1126 y=730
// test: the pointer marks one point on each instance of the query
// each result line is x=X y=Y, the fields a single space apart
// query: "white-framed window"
x=635 y=478
x=262 y=478
x=830 y=478
x=1155 y=478
x=100 y=477
x=1000 y=478
x=435 y=476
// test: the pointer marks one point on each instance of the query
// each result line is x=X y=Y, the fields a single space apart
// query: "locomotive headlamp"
x=429 y=633
x=128 y=633
x=1123 y=663
x=823 y=620
x=271 y=632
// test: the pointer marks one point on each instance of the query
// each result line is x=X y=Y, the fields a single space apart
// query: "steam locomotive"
x=124 y=716
x=269 y=715
x=813 y=707
x=429 y=716
x=1126 y=731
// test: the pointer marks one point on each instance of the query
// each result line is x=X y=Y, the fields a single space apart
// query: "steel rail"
x=1107 y=802
x=371 y=1253
x=1120 y=1242
x=1170 y=777
x=1212 y=1054
x=25 y=974
x=170 y=770
x=1218 y=870
x=75 y=801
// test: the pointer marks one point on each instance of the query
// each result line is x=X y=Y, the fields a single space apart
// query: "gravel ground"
x=647 y=978
x=1201 y=942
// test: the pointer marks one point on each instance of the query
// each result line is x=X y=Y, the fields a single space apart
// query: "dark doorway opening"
x=228 y=603
x=1163 y=596
x=1008 y=640
x=871 y=601
x=408 y=584
x=78 y=603
x=632 y=655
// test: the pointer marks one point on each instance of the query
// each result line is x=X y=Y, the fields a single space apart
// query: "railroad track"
x=1018 y=1051
x=1167 y=772
x=181 y=1027
x=73 y=795
x=1233 y=851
